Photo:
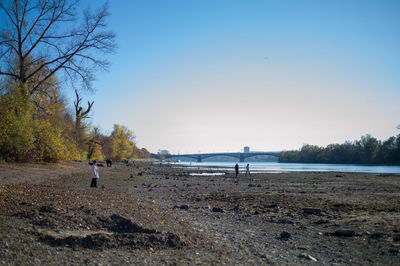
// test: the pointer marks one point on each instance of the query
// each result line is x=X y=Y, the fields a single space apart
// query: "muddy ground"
x=157 y=214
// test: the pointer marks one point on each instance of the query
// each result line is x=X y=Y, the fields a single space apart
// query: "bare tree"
x=94 y=142
x=80 y=114
x=51 y=35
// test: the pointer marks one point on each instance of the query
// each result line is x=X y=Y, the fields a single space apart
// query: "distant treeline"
x=367 y=150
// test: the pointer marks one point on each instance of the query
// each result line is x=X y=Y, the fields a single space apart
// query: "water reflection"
x=274 y=167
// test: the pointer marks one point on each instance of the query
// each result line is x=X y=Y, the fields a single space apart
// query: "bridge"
x=201 y=156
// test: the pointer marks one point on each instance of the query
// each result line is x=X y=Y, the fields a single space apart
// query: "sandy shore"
x=162 y=215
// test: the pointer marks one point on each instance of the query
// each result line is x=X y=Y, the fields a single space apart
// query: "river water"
x=275 y=167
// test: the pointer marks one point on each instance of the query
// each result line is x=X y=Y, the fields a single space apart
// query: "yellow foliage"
x=16 y=132
x=30 y=133
x=122 y=145
x=49 y=146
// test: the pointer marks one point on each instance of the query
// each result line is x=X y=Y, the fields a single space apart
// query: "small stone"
x=344 y=232
x=313 y=211
x=393 y=251
x=306 y=256
x=182 y=207
x=285 y=235
x=217 y=209
x=285 y=221
x=376 y=235
x=321 y=222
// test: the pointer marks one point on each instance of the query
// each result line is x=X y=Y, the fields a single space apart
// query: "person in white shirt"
x=95 y=174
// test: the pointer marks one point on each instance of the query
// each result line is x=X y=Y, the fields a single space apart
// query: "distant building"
x=246 y=149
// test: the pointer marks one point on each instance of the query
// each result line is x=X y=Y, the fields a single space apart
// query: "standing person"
x=248 y=169
x=95 y=174
x=237 y=169
x=110 y=162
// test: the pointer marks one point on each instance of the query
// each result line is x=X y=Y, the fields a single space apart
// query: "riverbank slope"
x=157 y=214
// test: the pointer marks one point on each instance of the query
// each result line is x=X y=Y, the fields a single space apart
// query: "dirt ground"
x=158 y=214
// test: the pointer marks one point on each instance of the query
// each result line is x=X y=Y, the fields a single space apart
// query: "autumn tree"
x=16 y=125
x=95 y=144
x=28 y=133
x=43 y=44
x=122 y=143
x=143 y=153
x=52 y=35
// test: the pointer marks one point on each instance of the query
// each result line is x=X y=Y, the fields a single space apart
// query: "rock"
x=306 y=256
x=236 y=208
x=285 y=235
x=376 y=235
x=285 y=221
x=393 y=251
x=344 y=232
x=321 y=221
x=313 y=211
x=182 y=207
x=217 y=209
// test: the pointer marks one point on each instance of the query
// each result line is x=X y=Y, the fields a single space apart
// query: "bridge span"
x=239 y=155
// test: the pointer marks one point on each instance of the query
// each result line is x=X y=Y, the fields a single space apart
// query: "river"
x=275 y=167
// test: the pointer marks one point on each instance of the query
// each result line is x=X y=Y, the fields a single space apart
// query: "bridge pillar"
x=241 y=158
x=199 y=159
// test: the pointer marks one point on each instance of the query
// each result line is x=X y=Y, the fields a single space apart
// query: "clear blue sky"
x=218 y=75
